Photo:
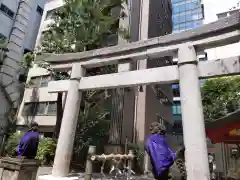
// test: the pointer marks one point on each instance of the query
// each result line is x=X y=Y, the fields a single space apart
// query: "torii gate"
x=188 y=71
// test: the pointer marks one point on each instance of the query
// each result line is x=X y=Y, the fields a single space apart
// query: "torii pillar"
x=64 y=149
x=192 y=115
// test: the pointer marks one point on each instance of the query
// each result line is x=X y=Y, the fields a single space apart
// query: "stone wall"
x=18 y=169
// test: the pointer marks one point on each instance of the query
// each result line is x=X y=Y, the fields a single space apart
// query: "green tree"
x=82 y=25
x=220 y=96
x=92 y=127
x=27 y=62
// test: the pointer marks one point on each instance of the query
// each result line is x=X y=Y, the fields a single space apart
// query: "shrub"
x=11 y=145
x=46 y=151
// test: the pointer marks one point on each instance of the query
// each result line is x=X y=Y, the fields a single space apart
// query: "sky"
x=213 y=7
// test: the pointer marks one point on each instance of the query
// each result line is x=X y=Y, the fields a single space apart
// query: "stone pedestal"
x=51 y=177
x=18 y=169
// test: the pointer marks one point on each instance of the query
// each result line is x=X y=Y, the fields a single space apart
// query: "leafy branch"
x=220 y=96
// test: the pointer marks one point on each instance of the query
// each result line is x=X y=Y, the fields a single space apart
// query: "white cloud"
x=213 y=7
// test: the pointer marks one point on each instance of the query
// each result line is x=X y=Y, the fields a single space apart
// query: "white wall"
x=43 y=95
x=53 y=4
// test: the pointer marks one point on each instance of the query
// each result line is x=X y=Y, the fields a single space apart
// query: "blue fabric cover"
x=28 y=145
x=161 y=155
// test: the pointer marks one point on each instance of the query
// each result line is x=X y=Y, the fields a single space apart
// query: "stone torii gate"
x=183 y=45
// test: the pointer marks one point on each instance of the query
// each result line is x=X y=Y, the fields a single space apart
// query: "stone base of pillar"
x=71 y=176
x=50 y=177
x=18 y=169
x=99 y=177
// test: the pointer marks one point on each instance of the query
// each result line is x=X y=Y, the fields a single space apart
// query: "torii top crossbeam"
x=221 y=32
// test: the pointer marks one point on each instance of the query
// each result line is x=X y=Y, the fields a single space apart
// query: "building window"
x=177 y=128
x=176 y=108
x=29 y=109
x=40 y=109
x=6 y=11
x=176 y=90
x=35 y=81
x=40 y=10
x=40 y=81
x=52 y=108
x=203 y=57
x=187 y=14
x=44 y=81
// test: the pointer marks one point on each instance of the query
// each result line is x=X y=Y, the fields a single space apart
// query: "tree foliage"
x=3 y=45
x=27 y=61
x=220 y=96
x=93 y=122
x=82 y=25
x=3 y=50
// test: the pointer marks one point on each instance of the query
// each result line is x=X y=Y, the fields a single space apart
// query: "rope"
x=103 y=164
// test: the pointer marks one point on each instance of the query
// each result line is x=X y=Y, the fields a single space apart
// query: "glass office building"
x=186 y=14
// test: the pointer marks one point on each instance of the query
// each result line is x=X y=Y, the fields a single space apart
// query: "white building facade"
x=38 y=105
